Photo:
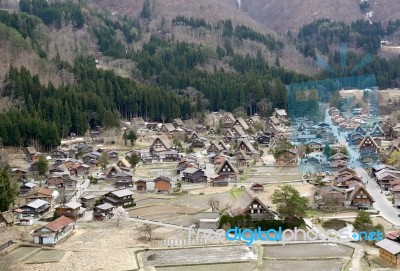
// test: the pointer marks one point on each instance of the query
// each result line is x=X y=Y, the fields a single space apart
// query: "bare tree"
x=147 y=230
x=214 y=204
x=119 y=214
x=301 y=150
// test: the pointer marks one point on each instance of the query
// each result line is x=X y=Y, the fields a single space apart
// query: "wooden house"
x=141 y=185
x=167 y=128
x=238 y=132
x=123 y=180
x=160 y=145
x=242 y=160
x=377 y=131
x=280 y=114
x=59 y=154
x=162 y=184
x=7 y=218
x=113 y=170
x=194 y=175
x=245 y=145
x=263 y=139
x=34 y=209
x=348 y=181
x=315 y=146
x=368 y=145
x=31 y=154
x=339 y=157
x=20 y=174
x=212 y=131
x=54 y=232
x=103 y=212
x=360 y=198
x=41 y=193
x=286 y=158
x=227 y=171
x=248 y=204
x=240 y=122
x=88 y=201
x=113 y=156
x=123 y=163
x=171 y=156
x=198 y=143
x=34 y=168
x=257 y=187
x=118 y=198
x=227 y=121
x=177 y=123
x=224 y=147
x=214 y=147
x=72 y=210
x=26 y=187
x=186 y=163
x=229 y=136
x=389 y=252
x=252 y=120
x=218 y=181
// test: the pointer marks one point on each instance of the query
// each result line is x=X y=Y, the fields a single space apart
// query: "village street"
x=381 y=203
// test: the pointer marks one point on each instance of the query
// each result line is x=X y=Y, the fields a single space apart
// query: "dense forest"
x=47 y=113
x=323 y=33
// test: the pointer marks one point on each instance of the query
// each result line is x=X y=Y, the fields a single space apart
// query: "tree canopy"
x=290 y=204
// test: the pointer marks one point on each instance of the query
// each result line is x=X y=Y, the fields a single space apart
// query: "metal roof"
x=37 y=203
x=390 y=246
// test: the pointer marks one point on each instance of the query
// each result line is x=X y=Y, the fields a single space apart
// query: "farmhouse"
x=52 y=233
x=248 y=204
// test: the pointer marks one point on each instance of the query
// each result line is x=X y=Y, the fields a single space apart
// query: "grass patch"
x=236 y=192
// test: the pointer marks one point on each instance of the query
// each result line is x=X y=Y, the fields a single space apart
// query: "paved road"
x=386 y=209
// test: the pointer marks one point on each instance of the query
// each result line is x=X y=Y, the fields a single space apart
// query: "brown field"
x=287 y=265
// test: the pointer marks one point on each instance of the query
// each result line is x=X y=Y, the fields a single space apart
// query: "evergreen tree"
x=8 y=189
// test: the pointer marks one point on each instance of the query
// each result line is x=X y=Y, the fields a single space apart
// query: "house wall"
x=47 y=240
x=162 y=185
x=388 y=258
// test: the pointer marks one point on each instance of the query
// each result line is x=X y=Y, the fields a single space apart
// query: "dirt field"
x=177 y=215
x=279 y=265
x=263 y=174
x=47 y=256
x=201 y=201
x=211 y=267
x=320 y=250
x=93 y=246
x=199 y=256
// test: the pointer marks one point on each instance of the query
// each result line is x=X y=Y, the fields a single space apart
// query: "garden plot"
x=202 y=201
x=279 y=265
x=318 y=250
x=211 y=267
x=193 y=256
x=178 y=215
x=20 y=254
x=262 y=174
x=151 y=201
x=46 y=256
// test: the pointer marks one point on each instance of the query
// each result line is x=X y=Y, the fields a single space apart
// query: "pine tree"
x=8 y=189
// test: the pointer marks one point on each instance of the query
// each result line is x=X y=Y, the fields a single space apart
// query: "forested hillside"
x=240 y=70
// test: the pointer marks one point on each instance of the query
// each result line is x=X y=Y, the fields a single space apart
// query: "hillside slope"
x=212 y=12
x=286 y=15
